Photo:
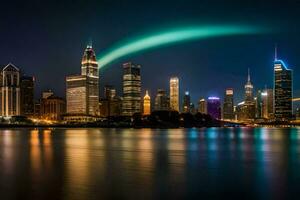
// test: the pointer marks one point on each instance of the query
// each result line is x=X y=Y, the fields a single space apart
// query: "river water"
x=208 y=163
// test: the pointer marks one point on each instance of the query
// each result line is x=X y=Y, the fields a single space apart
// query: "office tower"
x=109 y=92
x=27 y=96
x=162 y=101
x=268 y=103
x=83 y=90
x=147 y=104
x=52 y=108
x=282 y=91
x=202 y=107
x=246 y=109
x=46 y=94
x=174 y=93
x=131 y=89
x=214 y=107
x=186 y=102
x=10 y=91
x=259 y=104
x=248 y=89
x=228 y=113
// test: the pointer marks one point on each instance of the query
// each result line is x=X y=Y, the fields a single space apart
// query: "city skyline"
x=46 y=48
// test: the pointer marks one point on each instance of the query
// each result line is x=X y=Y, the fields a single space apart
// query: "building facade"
x=10 y=91
x=174 y=93
x=162 y=101
x=186 y=102
x=131 y=102
x=228 y=113
x=53 y=108
x=83 y=90
x=202 y=106
x=27 y=96
x=214 y=107
x=283 y=91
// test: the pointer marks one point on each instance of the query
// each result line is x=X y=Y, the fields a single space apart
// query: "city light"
x=172 y=36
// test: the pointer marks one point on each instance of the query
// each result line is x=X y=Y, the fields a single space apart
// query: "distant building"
x=110 y=105
x=174 y=93
x=131 y=102
x=214 y=107
x=162 y=101
x=202 y=106
x=268 y=104
x=186 y=102
x=46 y=94
x=52 y=108
x=27 y=96
x=228 y=113
x=259 y=104
x=83 y=90
x=246 y=110
x=10 y=91
x=147 y=104
x=283 y=92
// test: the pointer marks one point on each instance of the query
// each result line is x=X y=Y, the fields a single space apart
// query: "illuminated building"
x=246 y=110
x=268 y=104
x=174 y=93
x=83 y=90
x=202 y=106
x=131 y=102
x=283 y=92
x=214 y=107
x=46 y=94
x=27 y=96
x=10 y=91
x=147 y=104
x=52 y=108
x=228 y=113
x=186 y=102
x=162 y=101
x=259 y=104
x=110 y=105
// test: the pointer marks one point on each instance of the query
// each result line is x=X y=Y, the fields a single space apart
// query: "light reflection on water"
x=257 y=163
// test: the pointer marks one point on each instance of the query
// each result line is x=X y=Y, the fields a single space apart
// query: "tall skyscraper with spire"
x=83 y=90
x=283 y=91
x=248 y=89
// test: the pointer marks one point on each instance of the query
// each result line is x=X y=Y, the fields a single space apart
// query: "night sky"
x=47 y=40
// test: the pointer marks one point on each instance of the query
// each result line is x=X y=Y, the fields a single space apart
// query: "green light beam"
x=172 y=36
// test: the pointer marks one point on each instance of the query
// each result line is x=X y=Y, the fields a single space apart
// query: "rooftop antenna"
x=275 y=52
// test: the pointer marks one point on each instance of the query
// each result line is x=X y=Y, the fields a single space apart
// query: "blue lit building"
x=214 y=107
x=283 y=91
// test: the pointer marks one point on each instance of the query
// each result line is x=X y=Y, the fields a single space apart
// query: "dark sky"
x=47 y=40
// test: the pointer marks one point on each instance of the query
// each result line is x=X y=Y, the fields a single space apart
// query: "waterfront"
x=236 y=163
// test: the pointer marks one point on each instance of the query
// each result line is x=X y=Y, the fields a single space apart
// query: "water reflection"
x=149 y=163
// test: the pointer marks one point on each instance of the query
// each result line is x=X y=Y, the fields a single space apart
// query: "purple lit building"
x=214 y=107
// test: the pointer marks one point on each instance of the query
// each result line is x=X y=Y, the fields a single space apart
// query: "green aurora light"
x=172 y=36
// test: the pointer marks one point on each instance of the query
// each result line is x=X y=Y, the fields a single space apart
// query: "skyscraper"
x=27 y=96
x=10 y=91
x=246 y=109
x=83 y=90
x=186 y=102
x=131 y=89
x=214 y=107
x=162 y=101
x=174 y=93
x=147 y=104
x=283 y=92
x=202 y=106
x=228 y=113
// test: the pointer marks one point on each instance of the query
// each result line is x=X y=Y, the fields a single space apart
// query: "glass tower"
x=282 y=91
x=228 y=113
x=131 y=89
x=174 y=93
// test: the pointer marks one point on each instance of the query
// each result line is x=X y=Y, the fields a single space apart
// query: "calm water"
x=236 y=163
